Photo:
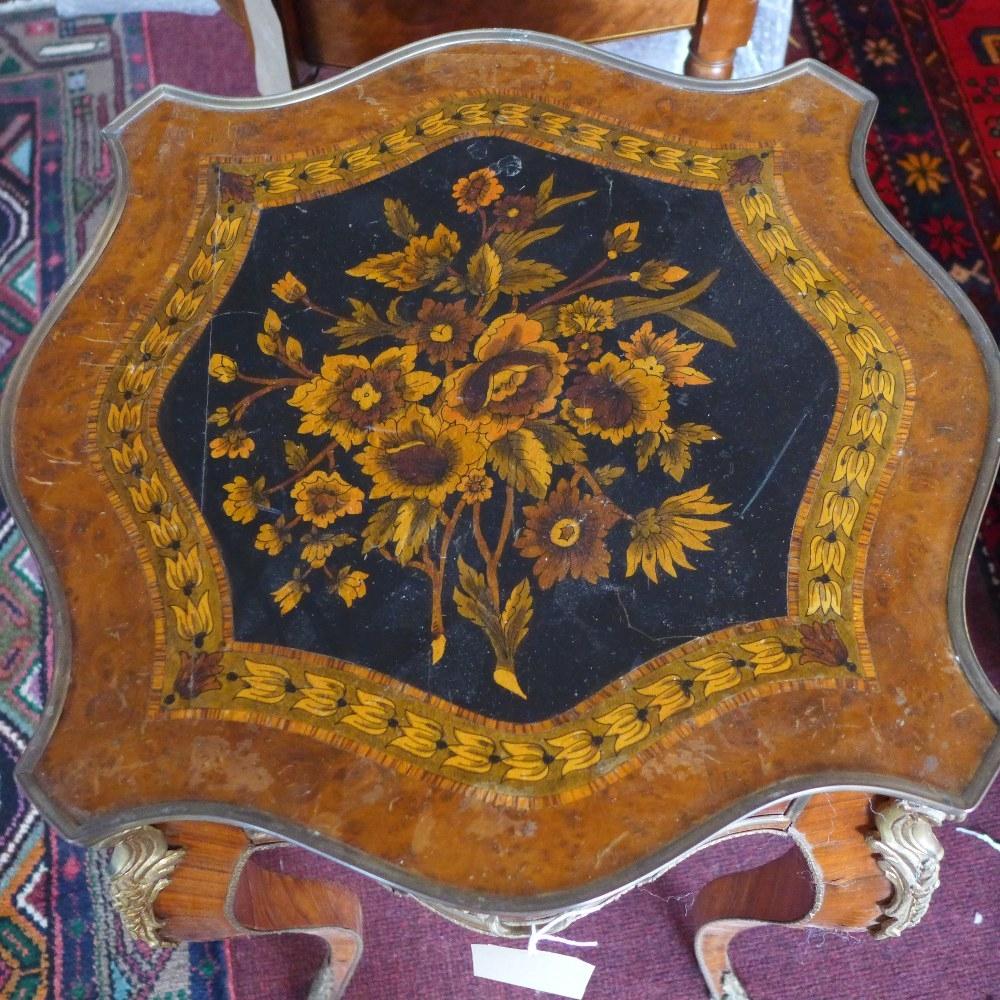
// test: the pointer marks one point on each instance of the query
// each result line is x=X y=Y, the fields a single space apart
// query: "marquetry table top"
x=499 y=468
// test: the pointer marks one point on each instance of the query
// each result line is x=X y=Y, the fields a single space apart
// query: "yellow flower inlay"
x=323 y=497
x=578 y=750
x=370 y=713
x=321 y=696
x=420 y=736
x=771 y=655
x=472 y=752
x=265 y=682
x=669 y=695
x=525 y=761
x=718 y=671
x=628 y=724
x=194 y=621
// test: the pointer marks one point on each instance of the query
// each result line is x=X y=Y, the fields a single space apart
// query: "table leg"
x=189 y=881
x=723 y=26
x=859 y=864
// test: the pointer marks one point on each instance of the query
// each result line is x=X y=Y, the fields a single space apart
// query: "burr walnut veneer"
x=505 y=469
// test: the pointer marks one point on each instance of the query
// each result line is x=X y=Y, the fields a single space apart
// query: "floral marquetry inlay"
x=504 y=445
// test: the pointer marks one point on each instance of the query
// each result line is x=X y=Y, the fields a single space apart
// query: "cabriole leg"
x=190 y=881
x=858 y=864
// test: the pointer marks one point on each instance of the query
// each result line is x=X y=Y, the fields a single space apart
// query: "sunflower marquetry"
x=503 y=471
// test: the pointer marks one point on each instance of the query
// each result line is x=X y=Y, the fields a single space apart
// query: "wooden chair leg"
x=723 y=26
x=190 y=881
x=273 y=35
x=858 y=864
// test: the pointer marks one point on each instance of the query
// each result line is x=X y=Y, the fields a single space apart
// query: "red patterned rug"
x=934 y=150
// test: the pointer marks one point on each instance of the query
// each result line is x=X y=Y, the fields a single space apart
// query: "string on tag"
x=541 y=934
x=984 y=837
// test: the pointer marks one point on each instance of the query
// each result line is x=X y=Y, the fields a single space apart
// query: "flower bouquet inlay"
x=503 y=406
x=475 y=446
x=502 y=367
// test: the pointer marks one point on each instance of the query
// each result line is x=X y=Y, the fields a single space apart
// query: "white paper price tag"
x=548 y=971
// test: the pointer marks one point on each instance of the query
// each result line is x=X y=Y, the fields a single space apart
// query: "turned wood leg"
x=858 y=864
x=189 y=881
x=273 y=33
x=723 y=26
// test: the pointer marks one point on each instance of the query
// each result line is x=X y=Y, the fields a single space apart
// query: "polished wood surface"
x=349 y=32
x=719 y=31
x=322 y=33
x=921 y=726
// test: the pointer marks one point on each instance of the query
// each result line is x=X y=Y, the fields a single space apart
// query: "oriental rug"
x=60 y=83
x=934 y=150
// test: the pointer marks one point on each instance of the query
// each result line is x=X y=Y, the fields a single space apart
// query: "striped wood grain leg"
x=215 y=886
x=829 y=879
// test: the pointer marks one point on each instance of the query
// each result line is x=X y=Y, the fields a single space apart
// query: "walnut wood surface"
x=921 y=726
x=349 y=32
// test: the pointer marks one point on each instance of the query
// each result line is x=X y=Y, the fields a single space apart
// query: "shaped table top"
x=499 y=468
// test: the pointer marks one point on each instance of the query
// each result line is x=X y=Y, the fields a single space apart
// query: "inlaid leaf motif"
x=472 y=597
x=703 y=325
x=509 y=245
x=400 y=218
x=521 y=277
x=484 y=276
x=638 y=306
x=296 y=455
x=362 y=325
x=563 y=446
x=607 y=474
x=674 y=451
x=516 y=617
x=385 y=268
x=521 y=460
x=381 y=525
x=548 y=204
x=645 y=448
x=414 y=521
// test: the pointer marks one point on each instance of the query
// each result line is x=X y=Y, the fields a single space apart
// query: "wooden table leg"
x=723 y=26
x=190 y=881
x=858 y=864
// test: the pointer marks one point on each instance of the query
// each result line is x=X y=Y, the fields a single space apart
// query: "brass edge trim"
x=91 y=829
